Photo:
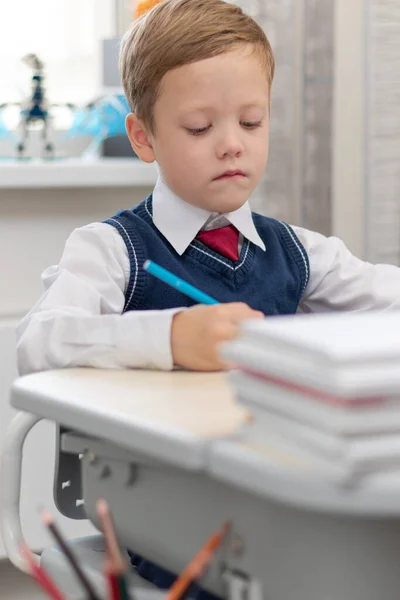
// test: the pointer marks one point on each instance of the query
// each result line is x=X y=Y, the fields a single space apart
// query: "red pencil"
x=41 y=576
x=112 y=580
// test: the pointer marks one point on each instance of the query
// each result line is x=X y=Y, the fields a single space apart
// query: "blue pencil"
x=178 y=283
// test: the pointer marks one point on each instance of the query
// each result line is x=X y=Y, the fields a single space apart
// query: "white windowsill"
x=68 y=173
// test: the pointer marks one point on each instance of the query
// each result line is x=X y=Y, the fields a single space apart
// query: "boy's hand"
x=197 y=332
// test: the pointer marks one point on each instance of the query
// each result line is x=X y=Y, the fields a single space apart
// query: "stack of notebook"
x=325 y=387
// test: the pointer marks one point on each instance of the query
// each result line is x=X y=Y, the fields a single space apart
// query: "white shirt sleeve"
x=78 y=322
x=341 y=282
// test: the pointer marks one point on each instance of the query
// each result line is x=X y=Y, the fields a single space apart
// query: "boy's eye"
x=198 y=131
x=251 y=124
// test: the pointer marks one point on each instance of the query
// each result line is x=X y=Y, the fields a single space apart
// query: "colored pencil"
x=40 y=575
x=117 y=583
x=112 y=581
x=114 y=553
x=178 y=283
x=48 y=520
x=198 y=564
x=123 y=588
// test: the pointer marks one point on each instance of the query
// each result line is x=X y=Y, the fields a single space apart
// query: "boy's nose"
x=230 y=146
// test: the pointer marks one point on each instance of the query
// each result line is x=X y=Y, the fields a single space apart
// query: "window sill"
x=77 y=173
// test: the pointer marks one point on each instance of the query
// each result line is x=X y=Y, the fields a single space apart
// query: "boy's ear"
x=139 y=138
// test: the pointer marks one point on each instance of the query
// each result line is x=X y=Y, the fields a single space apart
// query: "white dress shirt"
x=78 y=320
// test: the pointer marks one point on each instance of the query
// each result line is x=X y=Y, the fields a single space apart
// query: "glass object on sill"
x=102 y=120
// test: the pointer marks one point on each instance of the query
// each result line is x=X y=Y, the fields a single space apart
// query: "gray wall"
x=297 y=186
x=382 y=120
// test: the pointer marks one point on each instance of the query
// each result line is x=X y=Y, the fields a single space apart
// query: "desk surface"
x=169 y=414
x=173 y=417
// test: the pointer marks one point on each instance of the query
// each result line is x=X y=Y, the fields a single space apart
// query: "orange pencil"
x=197 y=565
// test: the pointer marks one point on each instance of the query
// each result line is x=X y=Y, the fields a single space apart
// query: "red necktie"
x=224 y=240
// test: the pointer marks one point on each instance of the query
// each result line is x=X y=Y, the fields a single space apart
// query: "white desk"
x=169 y=414
x=191 y=420
x=176 y=468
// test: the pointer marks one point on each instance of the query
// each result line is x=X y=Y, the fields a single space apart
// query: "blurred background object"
x=35 y=112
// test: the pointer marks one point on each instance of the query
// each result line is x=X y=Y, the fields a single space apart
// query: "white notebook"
x=333 y=337
x=348 y=355
x=366 y=454
x=340 y=420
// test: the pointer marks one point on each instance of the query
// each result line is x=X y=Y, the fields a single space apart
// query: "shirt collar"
x=180 y=222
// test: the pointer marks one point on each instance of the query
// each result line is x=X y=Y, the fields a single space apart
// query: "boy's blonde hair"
x=178 y=32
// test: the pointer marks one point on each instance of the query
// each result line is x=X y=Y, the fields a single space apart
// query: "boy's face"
x=211 y=129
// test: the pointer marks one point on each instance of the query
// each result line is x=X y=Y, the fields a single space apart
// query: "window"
x=66 y=36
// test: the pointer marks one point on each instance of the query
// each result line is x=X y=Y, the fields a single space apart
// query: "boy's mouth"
x=230 y=175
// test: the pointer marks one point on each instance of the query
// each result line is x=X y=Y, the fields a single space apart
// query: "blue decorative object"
x=100 y=119
x=5 y=132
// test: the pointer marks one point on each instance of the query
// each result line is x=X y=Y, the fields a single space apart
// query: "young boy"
x=197 y=75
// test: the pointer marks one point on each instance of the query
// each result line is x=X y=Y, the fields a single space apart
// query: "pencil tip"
x=23 y=547
x=102 y=506
x=146 y=264
x=46 y=517
x=26 y=553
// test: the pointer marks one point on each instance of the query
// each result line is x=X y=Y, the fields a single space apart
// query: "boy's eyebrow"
x=259 y=104
x=203 y=108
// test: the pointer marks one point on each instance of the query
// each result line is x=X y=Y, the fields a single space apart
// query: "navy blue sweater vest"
x=272 y=281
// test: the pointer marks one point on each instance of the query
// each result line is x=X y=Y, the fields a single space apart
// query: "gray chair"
x=68 y=499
